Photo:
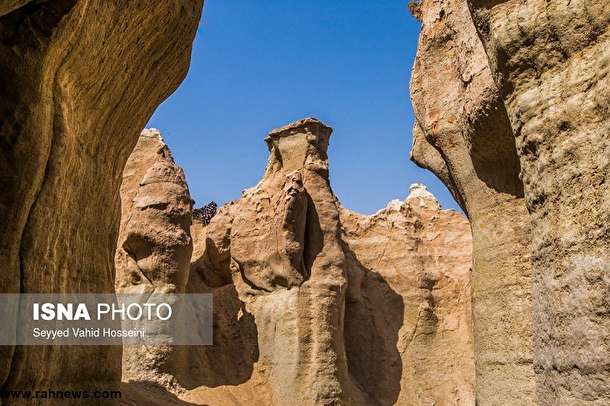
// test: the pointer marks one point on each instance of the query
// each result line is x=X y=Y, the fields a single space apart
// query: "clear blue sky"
x=259 y=64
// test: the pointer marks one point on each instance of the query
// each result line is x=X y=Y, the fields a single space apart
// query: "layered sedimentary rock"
x=78 y=81
x=509 y=90
x=154 y=246
x=307 y=311
x=408 y=326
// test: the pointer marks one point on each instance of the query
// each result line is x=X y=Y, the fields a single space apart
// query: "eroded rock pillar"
x=154 y=248
x=275 y=256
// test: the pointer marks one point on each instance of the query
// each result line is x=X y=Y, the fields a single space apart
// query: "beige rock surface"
x=154 y=247
x=408 y=324
x=552 y=60
x=274 y=261
x=78 y=81
x=308 y=311
x=539 y=77
x=463 y=135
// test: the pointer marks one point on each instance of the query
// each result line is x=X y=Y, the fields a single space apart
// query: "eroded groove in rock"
x=79 y=79
x=551 y=58
x=460 y=112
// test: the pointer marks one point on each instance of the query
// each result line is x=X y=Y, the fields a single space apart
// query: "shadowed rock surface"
x=78 y=81
x=511 y=101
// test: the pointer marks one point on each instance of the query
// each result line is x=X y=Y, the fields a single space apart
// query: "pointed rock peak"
x=152 y=133
x=393 y=205
x=419 y=192
x=299 y=144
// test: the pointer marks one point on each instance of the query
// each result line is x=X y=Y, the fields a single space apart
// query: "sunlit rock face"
x=154 y=244
x=315 y=304
x=408 y=324
x=512 y=114
x=552 y=60
x=275 y=261
x=154 y=247
x=78 y=81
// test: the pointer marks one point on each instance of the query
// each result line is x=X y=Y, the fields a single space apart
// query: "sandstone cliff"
x=511 y=101
x=78 y=81
x=463 y=135
x=308 y=310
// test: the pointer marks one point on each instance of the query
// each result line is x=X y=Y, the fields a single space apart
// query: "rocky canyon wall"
x=552 y=61
x=78 y=81
x=511 y=101
x=463 y=134
x=315 y=304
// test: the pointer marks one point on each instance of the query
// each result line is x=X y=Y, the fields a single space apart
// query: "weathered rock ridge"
x=511 y=101
x=314 y=304
x=78 y=81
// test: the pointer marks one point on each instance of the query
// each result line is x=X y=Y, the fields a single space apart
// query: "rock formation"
x=154 y=245
x=511 y=101
x=275 y=262
x=307 y=311
x=78 y=81
x=408 y=327
x=463 y=135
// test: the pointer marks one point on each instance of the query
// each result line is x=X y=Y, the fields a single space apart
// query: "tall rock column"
x=276 y=257
x=551 y=58
x=78 y=81
x=154 y=246
x=463 y=134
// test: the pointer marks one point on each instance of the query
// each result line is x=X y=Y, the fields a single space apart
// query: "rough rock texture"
x=529 y=102
x=154 y=246
x=408 y=325
x=275 y=262
x=78 y=81
x=463 y=135
x=552 y=61
x=301 y=317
